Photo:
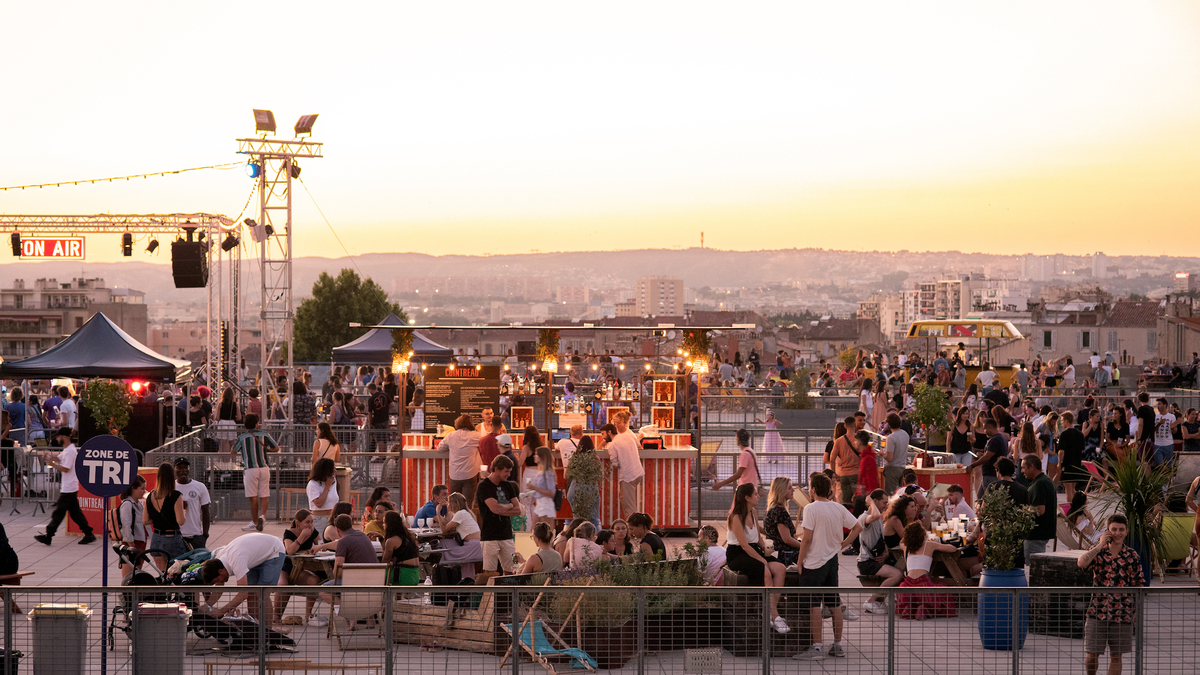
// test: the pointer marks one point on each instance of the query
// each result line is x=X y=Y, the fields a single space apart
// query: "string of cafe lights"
x=226 y=166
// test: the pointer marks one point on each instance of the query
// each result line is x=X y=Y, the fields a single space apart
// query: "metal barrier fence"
x=630 y=629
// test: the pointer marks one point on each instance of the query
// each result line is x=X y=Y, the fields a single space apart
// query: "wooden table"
x=950 y=560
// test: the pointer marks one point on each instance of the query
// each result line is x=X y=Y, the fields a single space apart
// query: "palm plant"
x=1131 y=487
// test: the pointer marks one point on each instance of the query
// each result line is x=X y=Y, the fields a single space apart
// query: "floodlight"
x=152 y=247
x=127 y=244
x=294 y=169
x=305 y=124
x=230 y=243
x=264 y=121
x=16 y=244
x=253 y=169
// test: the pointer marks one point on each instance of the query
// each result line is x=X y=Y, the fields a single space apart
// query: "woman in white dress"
x=772 y=441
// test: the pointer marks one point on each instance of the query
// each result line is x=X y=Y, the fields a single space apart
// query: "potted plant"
x=931 y=411
x=1131 y=487
x=1005 y=525
x=606 y=632
x=109 y=404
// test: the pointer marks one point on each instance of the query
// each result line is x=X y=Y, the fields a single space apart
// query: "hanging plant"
x=547 y=346
x=402 y=342
x=109 y=402
x=697 y=343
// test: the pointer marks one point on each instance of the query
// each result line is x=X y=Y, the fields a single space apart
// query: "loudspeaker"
x=189 y=263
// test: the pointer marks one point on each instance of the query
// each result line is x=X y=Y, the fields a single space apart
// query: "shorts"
x=869 y=567
x=1097 y=635
x=825 y=576
x=266 y=573
x=257 y=482
x=498 y=555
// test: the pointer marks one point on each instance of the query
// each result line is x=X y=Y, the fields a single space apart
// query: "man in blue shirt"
x=16 y=415
x=434 y=508
x=941 y=368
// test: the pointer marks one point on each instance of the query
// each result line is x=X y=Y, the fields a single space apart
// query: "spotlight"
x=127 y=244
x=294 y=170
x=264 y=121
x=16 y=244
x=152 y=247
x=304 y=125
x=253 y=169
x=230 y=243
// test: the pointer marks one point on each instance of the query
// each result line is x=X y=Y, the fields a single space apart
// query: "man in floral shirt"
x=1110 y=617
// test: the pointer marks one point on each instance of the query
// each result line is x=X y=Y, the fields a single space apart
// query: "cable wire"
x=115 y=178
x=335 y=234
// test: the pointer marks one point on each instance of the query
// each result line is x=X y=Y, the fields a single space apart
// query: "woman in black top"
x=778 y=525
x=400 y=548
x=165 y=511
x=1118 y=428
x=652 y=545
x=903 y=511
x=621 y=543
x=8 y=557
x=960 y=435
x=299 y=537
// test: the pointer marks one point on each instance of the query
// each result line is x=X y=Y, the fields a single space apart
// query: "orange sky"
x=1022 y=127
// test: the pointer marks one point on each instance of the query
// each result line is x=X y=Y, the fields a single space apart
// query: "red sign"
x=61 y=248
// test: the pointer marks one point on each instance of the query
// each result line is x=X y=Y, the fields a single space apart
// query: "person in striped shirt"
x=253 y=446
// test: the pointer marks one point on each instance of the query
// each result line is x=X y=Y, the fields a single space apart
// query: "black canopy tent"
x=375 y=346
x=99 y=348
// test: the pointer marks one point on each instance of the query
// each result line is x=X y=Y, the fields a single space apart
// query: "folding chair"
x=356 y=606
x=1178 y=544
x=533 y=640
x=1094 y=476
x=1066 y=533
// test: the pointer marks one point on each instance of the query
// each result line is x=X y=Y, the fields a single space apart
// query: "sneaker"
x=849 y=614
x=43 y=538
x=826 y=613
x=318 y=621
x=836 y=650
x=251 y=526
x=88 y=538
x=810 y=654
x=780 y=625
x=259 y=525
x=874 y=607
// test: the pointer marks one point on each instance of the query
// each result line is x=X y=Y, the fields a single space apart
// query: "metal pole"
x=641 y=631
x=766 y=632
x=8 y=636
x=104 y=596
x=516 y=644
x=1016 y=622
x=891 y=633
x=1139 y=624
x=264 y=617
x=388 y=628
x=133 y=631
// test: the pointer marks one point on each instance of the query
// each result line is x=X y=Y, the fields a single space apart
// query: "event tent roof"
x=98 y=349
x=375 y=346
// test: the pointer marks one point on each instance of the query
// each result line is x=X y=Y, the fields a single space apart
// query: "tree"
x=323 y=321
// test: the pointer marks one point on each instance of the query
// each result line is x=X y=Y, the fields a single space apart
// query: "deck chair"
x=1066 y=534
x=1093 y=476
x=533 y=640
x=355 y=606
x=1178 y=544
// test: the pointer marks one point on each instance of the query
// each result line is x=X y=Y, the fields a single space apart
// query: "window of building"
x=1151 y=341
x=1047 y=339
x=1112 y=341
x=1085 y=339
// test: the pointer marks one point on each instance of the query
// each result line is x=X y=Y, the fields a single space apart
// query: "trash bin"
x=343 y=484
x=59 y=637
x=161 y=638
x=14 y=662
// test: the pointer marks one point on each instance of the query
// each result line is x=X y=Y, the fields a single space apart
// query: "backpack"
x=114 y=520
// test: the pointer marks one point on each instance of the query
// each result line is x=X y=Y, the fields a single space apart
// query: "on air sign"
x=56 y=248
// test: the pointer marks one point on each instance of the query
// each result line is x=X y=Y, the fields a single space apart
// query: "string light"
x=114 y=178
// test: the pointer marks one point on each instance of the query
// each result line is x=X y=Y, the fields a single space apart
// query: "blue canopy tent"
x=375 y=347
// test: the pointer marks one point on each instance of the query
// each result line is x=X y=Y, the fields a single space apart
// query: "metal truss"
x=106 y=223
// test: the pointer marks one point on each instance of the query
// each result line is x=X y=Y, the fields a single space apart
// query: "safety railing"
x=571 y=626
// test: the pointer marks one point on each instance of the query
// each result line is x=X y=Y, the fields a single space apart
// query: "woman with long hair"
x=839 y=430
x=622 y=542
x=300 y=537
x=331 y=534
x=1082 y=520
x=919 y=552
x=542 y=483
x=460 y=536
x=970 y=399
x=879 y=406
x=866 y=403
x=400 y=548
x=1027 y=443
x=902 y=511
x=778 y=525
x=546 y=559
x=744 y=552
x=164 y=510
x=228 y=417
x=129 y=527
x=563 y=539
x=380 y=494
x=322 y=491
x=326 y=445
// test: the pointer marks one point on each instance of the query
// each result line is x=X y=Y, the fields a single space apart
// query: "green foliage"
x=932 y=408
x=547 y=346
x=1006 y=525
x=402 y=342
x=595 y=609
x=323 y=321
x=848 y=357
x=697 y=343
x=797 y=397
x=109 y=402
x=1140 y=493
x=586 y=469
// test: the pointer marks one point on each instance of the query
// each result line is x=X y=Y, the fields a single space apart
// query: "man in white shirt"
x=195 y=504
x=68 y=497
x=67 y=410
x=567 y=446
x=1095 y=360
x=955 y=505
x=625 y=456
x=1164 y=443
x=823 y=522
x=251 y=560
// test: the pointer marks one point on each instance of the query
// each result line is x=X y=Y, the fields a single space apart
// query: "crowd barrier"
x=630 y=629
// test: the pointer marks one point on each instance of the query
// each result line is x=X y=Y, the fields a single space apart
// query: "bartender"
x=624 y=453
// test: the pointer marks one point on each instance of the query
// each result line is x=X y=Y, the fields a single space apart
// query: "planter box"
x=611 y=646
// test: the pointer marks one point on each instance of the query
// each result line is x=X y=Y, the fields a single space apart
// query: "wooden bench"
x=14 y=580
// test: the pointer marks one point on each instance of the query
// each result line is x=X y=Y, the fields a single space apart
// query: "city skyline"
x=1008 y=130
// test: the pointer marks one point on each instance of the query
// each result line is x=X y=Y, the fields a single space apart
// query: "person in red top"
x=1110 y=617
x=488 y=448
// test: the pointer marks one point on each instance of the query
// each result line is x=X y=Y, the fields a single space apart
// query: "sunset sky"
x=505 y=127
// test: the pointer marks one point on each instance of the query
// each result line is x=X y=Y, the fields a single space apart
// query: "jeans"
x=267 y=572
x=1162 y=453
x=1032 y=546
